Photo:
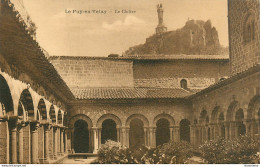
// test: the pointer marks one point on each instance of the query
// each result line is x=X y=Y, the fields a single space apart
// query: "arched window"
x=249 y=28
x=184 y=84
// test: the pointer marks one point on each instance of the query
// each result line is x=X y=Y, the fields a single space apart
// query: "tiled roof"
x=129 y=93
x=150 y=57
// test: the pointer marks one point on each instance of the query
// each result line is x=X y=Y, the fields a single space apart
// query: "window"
x=183 y=84
x=249 y=29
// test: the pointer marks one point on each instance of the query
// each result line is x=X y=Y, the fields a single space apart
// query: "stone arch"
x=203 y=116
x=214 y=114
x=59 y=117
x=27 y=101
x=81 y=137
x=52 y=114
x=80 y=116
x=42 y=109
x=185 y=130
x=253 y=107
x=163 y=134
x=249 y=26
x=239 y=118
x=109 y=116
x=231 y=111
x=221 y=117
x=164 y=116
x=6 y=99
x=138 y=116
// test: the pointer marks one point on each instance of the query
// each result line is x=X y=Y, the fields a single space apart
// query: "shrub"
x=242 y=150
x=170 y=153
x=111 y=153
x=175 y=152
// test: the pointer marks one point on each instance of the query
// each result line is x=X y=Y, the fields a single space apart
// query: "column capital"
x=34 y=125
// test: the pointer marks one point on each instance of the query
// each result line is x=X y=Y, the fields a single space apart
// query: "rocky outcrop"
x=196 y=37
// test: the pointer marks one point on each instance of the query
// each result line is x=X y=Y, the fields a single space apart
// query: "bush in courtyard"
x=170 y=153
x=112 y=153
x=174 y=152
x=242 y=150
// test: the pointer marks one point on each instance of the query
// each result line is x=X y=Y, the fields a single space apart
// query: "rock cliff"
x=196 y=37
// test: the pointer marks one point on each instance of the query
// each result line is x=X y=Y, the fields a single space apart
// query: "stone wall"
x=243 y=55
x=168 y=74
x=90 y=72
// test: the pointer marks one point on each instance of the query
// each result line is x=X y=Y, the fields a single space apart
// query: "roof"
x=227 y=81
x=150 y=57
x=129 y=93
x=22 y=50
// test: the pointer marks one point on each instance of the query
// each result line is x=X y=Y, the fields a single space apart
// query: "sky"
x=95 y=33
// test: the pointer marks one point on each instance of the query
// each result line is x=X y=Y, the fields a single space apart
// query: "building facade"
x=50 y=107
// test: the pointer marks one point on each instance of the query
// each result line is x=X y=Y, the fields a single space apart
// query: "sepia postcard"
x=129 y=82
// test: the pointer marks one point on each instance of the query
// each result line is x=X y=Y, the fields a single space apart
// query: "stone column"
x=152 y=139
x=58 y=141
x=226 y=124
x=248 y=128
x=124 y=136
x=20 y=146
x=99 y=137
x=66 y=141
x=95 y=135
x=34 y=128
x=61 y=141
x=127 y=136
x=13 y=140
x=212 y=131
x=72 y=140
x=171 y=133
x=192 y=133
x=232 y=130
x=118 y=134
x=55 y=148
x=46 y=143
x=51 y=143
x=176 y=133
x=145 y=136
x=89 y=140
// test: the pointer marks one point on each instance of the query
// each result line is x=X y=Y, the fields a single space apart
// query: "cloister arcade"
x=229 y=124
x=32 y=129
x=135 y=131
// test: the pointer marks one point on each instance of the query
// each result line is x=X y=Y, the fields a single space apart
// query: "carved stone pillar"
x=192 y=136
x=61 y=141
x=171 y=133
x=152 y=137
x=118 y=134
x=51 y=143
x=34 y=130
x=176 y=130
x=66 y=141
x=232 y=130
x=20 y=145
x=13 y=129
x=55 y=148
x=46 y=142
x=89 y=140
x=226 y=124
x=127 y=136
x=95 y=135
x=145 y=136
x=99 y=137
x=124 y=136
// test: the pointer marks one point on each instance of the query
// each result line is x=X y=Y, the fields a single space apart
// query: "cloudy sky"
x=99 y=34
